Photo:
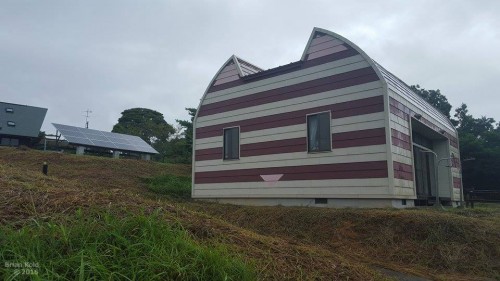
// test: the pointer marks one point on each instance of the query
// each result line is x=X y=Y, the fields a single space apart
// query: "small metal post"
x=45 y=168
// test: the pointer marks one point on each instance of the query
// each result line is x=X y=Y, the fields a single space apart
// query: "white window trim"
x=239 y=143
x=329 y=129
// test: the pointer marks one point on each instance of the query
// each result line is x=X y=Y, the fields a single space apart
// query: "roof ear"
x=246 y=67
x=321 y=44
x=229 y=72
x=233 y=69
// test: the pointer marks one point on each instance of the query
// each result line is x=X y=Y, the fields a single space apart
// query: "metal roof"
x=103 y=139
x=402 y=88
x=21 y=120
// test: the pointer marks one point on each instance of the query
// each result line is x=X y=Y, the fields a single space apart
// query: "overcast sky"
x=108 y=56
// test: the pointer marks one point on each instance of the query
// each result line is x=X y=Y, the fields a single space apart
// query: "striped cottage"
x=333 y=129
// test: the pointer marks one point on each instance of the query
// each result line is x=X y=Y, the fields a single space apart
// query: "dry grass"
x=282 y=243
x=118 y=186
x=429 y=243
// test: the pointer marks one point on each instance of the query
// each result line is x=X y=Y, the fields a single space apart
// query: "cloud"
x=113 y=55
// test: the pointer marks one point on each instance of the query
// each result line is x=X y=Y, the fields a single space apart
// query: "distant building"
x=20 y=124
x=334 y=129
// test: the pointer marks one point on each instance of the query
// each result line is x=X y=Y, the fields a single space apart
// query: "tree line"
x=479 y=137
x=174 y=144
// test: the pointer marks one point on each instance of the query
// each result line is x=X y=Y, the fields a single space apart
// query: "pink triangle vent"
x=271 y=179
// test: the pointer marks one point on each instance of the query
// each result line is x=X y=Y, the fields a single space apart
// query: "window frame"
x=9 y=110
x=329 y=130
x=11 y=124
x=224 y=143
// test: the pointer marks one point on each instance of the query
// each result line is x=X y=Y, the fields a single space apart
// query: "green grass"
x=174 y=186
x=108 y=247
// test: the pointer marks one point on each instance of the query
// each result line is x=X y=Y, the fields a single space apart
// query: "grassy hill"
x=100 y=218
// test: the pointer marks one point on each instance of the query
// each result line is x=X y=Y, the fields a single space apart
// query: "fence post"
x=45 y=168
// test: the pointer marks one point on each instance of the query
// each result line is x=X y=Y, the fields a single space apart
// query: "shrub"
x=175 y=186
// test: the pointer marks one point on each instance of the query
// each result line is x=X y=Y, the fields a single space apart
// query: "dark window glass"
x=318 y=132
x=232 y=143
x=11 y=124
x=320 y=201
x=9 y=110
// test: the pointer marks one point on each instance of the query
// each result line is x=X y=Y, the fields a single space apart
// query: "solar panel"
x=102 y=139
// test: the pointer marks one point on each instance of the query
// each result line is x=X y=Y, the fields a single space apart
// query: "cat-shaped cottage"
x=333 y=129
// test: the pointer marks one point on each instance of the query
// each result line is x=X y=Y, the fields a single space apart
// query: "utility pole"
x=87 y=116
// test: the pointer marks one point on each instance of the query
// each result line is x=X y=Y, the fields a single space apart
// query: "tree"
x=144 y=123
x=464 y=121
x=435 y=98
x=188 y=127
x=479 y=140
x=179 y=148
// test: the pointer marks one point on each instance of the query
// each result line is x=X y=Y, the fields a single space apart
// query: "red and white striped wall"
x=371 y=148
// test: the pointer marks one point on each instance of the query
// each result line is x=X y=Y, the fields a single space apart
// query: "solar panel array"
x=96 y=138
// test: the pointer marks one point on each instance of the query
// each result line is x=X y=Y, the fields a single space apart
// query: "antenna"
x=87 y=116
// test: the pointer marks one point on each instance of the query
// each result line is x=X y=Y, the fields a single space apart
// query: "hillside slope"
x=280 y=243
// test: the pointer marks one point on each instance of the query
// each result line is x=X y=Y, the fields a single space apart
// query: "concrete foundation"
x=311 y=202
x=116 y=154
x=146 y=157
x=80 y=150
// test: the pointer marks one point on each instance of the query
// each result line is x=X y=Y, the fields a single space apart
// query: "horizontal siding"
x=320 y=38
x=338 y=81
x=403 y=159
x=352 y=123
x=359 y=170
x=273 y=147
x=304 y=191
x=340 y=183
x=272 y=73
x=359 y=138
x=327 y=51
x=228 y=74
x=456 y=172
x=404 y=192
x=403 y=171
x=324 y=45
x=299 y=76
x=340 y=155
x=400 y=139
x=404 y=110
x=330 y=97
x=339 y=110
x=403 y=183
x=339 y=140
x=399 y=123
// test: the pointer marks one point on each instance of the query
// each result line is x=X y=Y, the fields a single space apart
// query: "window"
x=232 y=143
x=318 y=132
x=320 y=201
x=11 y=123
x=9 y=110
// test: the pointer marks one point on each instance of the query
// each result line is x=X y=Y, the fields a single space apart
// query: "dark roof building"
x=20 y=123
x=332 y=129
